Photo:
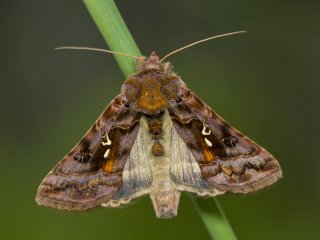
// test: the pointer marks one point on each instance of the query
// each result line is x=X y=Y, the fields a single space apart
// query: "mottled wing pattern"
x=229 y=161
x=92 y=172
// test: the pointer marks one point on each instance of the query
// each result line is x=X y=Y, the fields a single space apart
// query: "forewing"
x=137 y=174
x=91 y=173
x=229 y=161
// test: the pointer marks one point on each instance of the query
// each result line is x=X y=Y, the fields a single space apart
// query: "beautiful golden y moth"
x=156 y=137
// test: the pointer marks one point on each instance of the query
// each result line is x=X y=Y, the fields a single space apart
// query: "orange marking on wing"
x=209 y=155
x=108 y=165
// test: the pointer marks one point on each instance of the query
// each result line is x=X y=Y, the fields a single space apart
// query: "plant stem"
x=118 y=37
x=115 y=32
x=213 y=218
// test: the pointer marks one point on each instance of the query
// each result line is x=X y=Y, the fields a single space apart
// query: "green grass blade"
x=111 y=25
x=213 y=218
x=118 y=37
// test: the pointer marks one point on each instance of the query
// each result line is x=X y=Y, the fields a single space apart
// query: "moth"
x=156 y=137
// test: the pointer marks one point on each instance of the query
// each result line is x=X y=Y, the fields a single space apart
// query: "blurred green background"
x=265 y=83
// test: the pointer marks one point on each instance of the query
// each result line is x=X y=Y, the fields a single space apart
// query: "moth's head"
x=153 y=62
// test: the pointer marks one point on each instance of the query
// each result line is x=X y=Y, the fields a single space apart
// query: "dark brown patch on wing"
x=122 y=141
x=190 y=129
x=82 y=157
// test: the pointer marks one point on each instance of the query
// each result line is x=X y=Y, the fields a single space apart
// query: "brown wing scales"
x=228 y=160
x=87 y=177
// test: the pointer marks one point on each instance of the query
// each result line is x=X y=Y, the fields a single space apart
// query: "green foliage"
x=114 y=31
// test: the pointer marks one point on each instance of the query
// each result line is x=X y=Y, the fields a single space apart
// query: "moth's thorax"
x=153 y=89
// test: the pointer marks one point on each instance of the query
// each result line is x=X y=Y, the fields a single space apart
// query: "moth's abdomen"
x=164 y=195
x=155 y=129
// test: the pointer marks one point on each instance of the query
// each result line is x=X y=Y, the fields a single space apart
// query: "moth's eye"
x=230 y=141
x=82 y=157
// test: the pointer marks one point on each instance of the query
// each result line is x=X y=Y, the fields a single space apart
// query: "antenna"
x=97 y=50
x=201 y=41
